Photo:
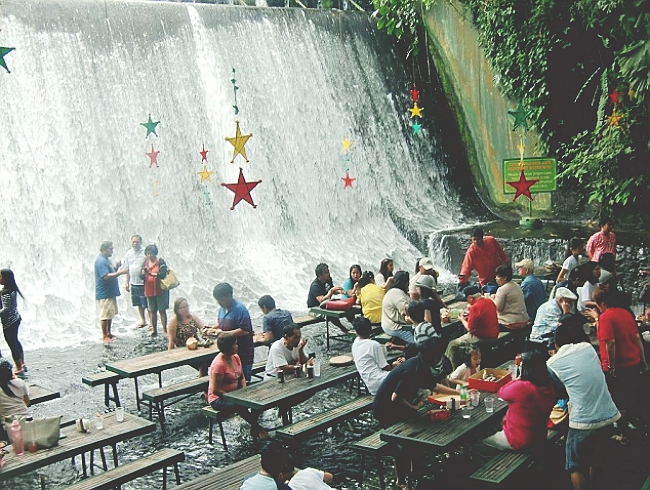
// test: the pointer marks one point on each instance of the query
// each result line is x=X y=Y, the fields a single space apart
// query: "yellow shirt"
x=371 y=297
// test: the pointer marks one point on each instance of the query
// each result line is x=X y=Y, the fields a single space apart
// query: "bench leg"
x=160 y=379
x=137 y=395
x=116 y=396
x=161 y=416
x=223 y=434
x=210 y=428
x=92 y=461
x=83 y=464
x=103 y=455
x=363 y=465
x=114 y=446
x=327 y=328
x=107 y=397
x=177 y=473
x=164 y=486
x=380 y=472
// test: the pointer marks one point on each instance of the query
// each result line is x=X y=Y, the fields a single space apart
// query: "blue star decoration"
x=521 y=116
x=151 y=126
x=3 y=53
x=416 y=127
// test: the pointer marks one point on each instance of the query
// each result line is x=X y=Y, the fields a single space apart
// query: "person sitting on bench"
x=274 y=320
x=549 y=313
x=286 y=352
x=322 y=289
x=276 y=468
x=371 y=297
x=369 y=356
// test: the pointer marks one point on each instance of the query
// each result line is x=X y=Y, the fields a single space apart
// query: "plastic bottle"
x=30 y=439
x=17 y=438
x=464 y=395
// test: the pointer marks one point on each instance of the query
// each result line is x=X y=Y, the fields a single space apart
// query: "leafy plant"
x=402 y=18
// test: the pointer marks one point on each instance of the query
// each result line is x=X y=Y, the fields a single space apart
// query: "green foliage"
x=402 y=18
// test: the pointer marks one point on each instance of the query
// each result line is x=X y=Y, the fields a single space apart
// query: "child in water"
x=471 y=365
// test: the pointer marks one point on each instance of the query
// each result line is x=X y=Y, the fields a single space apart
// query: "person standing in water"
x=107 y=289
x=11 y=318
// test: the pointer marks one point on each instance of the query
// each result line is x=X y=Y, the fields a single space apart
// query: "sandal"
x=622 y=440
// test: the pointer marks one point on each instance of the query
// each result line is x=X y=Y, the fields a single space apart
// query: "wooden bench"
x=295 y=433
x=159 y=396
x=116 y=477
x=303 y=321
x=258 y=371
x=38 y=394
x=109 y=380
x=496 y=471
x=228 y=478
x=213 y=415
x=371 y=446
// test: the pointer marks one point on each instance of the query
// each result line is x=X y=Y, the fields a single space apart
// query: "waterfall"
x=74 y=170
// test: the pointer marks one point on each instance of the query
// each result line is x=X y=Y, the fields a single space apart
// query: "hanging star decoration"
x=238 y=142
x=3 y=53
x=521 y=116
x=233 y=80
x=206 y=196
x=242 y=190
x=416 y=127
x=205 y=174
x=415 y=111
x=523 y=186
x=155 y=187
x=153 y=157
x=415 y=95
x=204 y=154
x=151 y=126
x=348 y=180
x=615 y=97
x=347 y=144
x=615 y=119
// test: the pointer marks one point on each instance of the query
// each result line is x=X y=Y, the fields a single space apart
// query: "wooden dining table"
x=74 y=443
x=158 y=362
x=327 y=314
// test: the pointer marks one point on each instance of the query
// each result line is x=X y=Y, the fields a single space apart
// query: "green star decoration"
x=416 y=126
x=3 y=52
x=521 y=116
x=151 y=126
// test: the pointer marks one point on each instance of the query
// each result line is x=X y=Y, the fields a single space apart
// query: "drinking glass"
x=465 y=412
x=489 y=404
x=119 y=414
x=99 y=421
x=475 y=397
x=316 y=368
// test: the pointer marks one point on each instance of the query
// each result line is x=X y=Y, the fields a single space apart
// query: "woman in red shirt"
x=530 y=401
x=226 y=375
x=621 y=354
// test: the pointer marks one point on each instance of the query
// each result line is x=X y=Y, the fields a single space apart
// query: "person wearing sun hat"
x=549 y=313
x=532 y=287
x=425 y=268
x=426 y=287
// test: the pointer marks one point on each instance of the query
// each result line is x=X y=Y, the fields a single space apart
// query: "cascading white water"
x=73 y=169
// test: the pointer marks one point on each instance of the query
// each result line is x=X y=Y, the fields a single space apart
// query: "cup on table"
x=474 y=398
x=466 y=411
x=316 y=368
x=99 y=421
x=489 y=404
x=119 y=414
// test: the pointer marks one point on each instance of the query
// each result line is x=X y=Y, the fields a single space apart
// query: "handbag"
x=47 y=431
x=340 y=304
x=169 y=282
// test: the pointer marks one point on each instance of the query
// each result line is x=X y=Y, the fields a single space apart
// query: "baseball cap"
x=426 y=263
x=426 y=282
x=527 y=263
x=472 y=290
x=565 y=293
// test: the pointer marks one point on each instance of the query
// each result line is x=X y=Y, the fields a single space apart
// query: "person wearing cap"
x=549 y=313
x=575 y=371
x=424 y=268
x=481 y=323
x=531 y=286
x=426 y=288
x=484 y=255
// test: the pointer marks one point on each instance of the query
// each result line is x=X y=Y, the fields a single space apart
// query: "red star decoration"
x=153 y=157
x=523 y=186
x=415 y=95
x=204 y=154
x=348 y=180
x=615 y=97
x=242 y=190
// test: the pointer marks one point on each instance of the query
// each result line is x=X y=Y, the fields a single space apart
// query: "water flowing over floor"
x=74 y=171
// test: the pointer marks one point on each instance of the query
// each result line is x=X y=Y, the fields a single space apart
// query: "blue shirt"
x=547 y=318
x=534 y=294
x=105 y=288
x=238 y=317
x=275 y=321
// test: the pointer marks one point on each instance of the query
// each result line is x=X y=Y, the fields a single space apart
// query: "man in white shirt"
x=369 y=357
x=310 y=479
x=133 y=263
x=286 y=352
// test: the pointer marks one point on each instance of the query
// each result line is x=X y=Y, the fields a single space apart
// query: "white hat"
x=425 y=263
x=527 y=263
x=565 y=293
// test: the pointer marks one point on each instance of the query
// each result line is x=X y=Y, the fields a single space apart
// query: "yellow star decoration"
x=415 y=110
x=205 y=174
x=346 y=144
x=238 y=141
x=615 y=119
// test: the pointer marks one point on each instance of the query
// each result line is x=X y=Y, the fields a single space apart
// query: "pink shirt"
x=231 y=375
x=485 y=259
x=529 y=407
x=599 y=244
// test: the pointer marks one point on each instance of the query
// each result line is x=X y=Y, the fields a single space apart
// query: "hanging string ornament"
x=153 y=157
x=242 y=190
x=416 y=111
x=521 y=116
x=151 y=126
x=346 y=148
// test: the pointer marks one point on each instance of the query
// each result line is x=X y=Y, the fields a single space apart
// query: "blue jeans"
x=249 y=416
x=405 y=335
x=247 y=369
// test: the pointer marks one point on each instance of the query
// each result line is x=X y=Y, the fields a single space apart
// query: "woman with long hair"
x=226 y=375
x=155 y=268
x=385 y=275
x=11 y=318
x=393 y=309
x=350 y=284
x=183 y=326
x=591 y=274
x=14 y=394
x=530 y=400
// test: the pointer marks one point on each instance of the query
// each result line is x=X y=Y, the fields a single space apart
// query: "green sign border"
x=547 y=176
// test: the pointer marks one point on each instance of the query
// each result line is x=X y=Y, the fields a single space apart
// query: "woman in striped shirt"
x=10 y=317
